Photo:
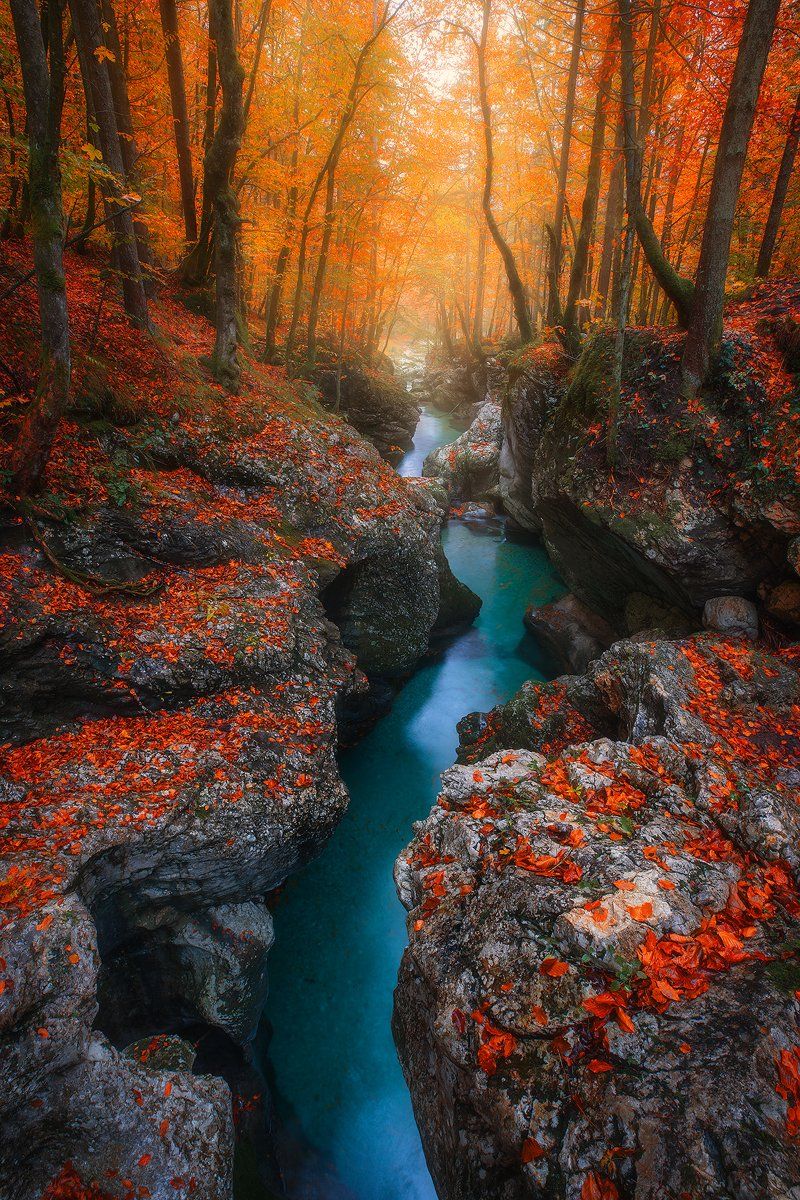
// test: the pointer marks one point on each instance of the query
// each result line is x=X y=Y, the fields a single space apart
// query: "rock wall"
x=678 y=503
x=169 y=683
x=374 y=403
x=600 y=993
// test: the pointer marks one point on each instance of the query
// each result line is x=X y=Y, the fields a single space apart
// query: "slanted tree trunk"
x=261 y=33
x=219 y=164
x=705 y=330
x=180 y=114
x=88 y=29
x=679 y=290
x=779 y=195
x=354 y=96
x=571 y=330
x=554 y=302
x=515 y=285
x=44 y=96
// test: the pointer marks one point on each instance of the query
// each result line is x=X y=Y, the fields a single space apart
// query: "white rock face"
x=731 y=615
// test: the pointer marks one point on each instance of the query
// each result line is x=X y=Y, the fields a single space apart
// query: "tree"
x=88 y=31
x=515 y=284
x=180 y=113
x=679 y=290
x=779 y=194
x=554 y=304
x=569 y=321
x=42 y=68
x=219 y=165
x=705 y=330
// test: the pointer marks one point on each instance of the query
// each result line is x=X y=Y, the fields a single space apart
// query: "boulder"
x=573 y=634
x=731 y=615
x=375 y=403
x=469 y=466
x=600 y=991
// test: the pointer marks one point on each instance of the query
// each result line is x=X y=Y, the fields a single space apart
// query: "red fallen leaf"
x=666 y=885
x=640 y=912
x=43 y=1033
x=163 y=1127
x=685 y=1048
x=168 y=1088
x=625 y=885
x=531 y=1150
x=598 y=1187
x=477 y=776
x=459 y=1020
x=624 y=1021
x=145 y=1159
x=553 y=967
x=597 y=1066
x=539 y=1015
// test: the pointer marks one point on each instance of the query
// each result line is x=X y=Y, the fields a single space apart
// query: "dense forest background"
x=346 y=173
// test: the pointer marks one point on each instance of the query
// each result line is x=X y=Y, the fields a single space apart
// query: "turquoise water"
x=340 y=930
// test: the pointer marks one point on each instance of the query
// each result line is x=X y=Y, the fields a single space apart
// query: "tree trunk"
x=480 y=289
x=261 y=34
x=127 y=139
x=219 y=164
x=779 y=195
x=180 y=114
x=196 y=267
x=571 y=331
x=515 y=285
x=705 y=330
x=613 y=221
x=348 y=112
x=679 y=290
x=554 y=303
x=89 y=31
x=322 y=264
x=44 y=94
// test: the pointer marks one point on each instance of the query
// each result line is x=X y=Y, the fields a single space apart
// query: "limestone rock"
x=598 y=995
x=469 y=466
x=571 y=631
x=731 y=615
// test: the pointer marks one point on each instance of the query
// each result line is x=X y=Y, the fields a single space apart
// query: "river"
x=340 y=930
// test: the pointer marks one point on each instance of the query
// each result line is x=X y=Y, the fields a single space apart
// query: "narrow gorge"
x=399 y=600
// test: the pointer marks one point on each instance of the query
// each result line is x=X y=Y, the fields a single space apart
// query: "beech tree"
x=41 y=56
x=779 y=195
x=220 y=161
x=705 y=330
x=180 y=114
x=515 y=284
x=88 y=30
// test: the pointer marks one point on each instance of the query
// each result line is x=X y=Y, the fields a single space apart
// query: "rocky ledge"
x=374 y=403
x=184 y=605
x=600 y=997
x=651 y=511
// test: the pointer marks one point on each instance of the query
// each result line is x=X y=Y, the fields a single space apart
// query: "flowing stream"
x=340 y=929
